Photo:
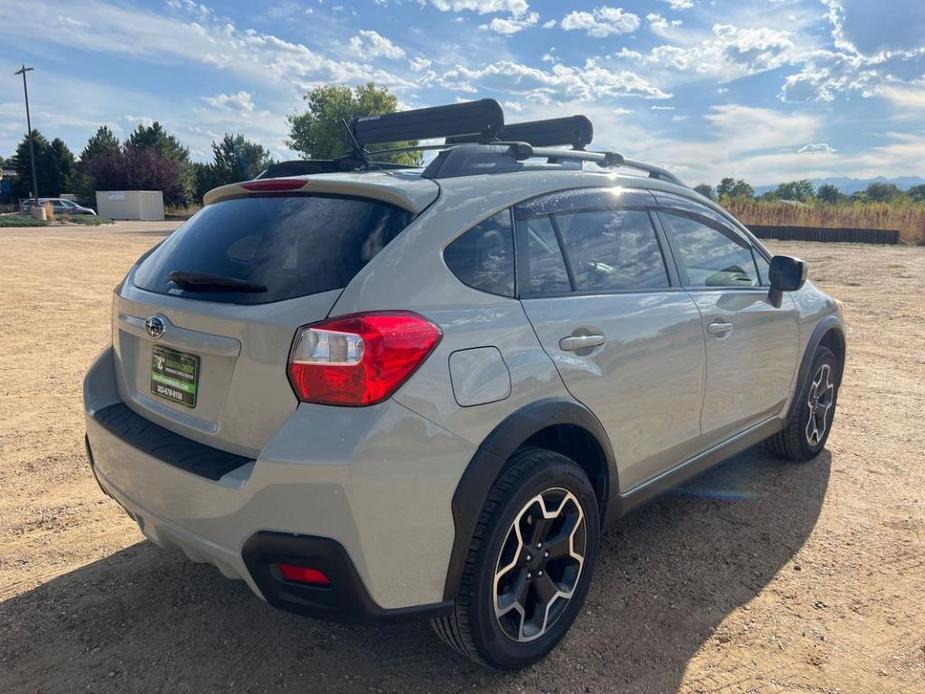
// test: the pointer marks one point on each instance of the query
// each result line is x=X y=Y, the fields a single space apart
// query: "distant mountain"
x=853 y=185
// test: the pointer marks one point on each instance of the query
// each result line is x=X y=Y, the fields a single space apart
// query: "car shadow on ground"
x=146 y=620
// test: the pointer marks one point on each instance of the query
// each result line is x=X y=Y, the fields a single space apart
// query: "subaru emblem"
x=155 y=326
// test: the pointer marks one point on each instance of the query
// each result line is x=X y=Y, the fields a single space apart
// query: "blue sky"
x=766 y=90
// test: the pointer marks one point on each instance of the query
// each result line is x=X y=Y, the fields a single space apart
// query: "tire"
x=802 y=439
x=490 y=630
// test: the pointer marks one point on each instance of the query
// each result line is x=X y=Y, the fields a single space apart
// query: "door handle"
x=573 y=343
x=719 y=329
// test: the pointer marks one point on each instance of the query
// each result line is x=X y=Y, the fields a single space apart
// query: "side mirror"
x=786 y=274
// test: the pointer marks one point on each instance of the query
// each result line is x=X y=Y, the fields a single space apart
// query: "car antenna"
x=358 y=150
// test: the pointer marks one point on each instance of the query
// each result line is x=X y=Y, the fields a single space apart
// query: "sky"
x=765 y=90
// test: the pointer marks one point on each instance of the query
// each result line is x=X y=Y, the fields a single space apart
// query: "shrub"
x=90 y=220
x=19 y=220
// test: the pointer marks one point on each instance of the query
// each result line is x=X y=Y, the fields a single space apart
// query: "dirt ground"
x=759 y=576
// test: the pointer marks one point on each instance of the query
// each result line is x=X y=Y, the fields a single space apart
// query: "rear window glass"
x=292 y=245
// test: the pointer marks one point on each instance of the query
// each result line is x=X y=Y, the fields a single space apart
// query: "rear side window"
x=483 y=257
x=292 y=245
x=711 y=257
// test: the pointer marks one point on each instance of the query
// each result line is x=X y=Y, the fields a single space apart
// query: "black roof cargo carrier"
x=475 y=141
x=483 y=119
x=575 y=131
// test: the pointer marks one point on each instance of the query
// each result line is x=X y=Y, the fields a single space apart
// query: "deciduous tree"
x=318 y=133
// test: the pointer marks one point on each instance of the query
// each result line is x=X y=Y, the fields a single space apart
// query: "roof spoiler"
x=575 y=131
x=307 y=167
x=483 y=119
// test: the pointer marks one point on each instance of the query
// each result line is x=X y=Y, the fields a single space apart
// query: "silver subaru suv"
x=378 y=393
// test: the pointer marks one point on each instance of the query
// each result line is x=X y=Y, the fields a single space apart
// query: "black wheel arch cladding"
x=492 y=456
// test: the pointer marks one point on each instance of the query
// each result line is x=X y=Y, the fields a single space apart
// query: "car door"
x=609 y=310
x=751 y=346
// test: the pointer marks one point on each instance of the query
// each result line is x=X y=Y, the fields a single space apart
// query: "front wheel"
x=529 y=565
x=812 y=414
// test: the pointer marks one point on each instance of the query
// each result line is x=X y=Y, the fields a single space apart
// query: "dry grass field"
x=906 y=216
x=759 y=576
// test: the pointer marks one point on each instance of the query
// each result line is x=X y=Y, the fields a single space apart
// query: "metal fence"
x=790 y=233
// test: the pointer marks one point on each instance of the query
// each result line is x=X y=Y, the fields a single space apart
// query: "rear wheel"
x=529 y=565
x=811 y=417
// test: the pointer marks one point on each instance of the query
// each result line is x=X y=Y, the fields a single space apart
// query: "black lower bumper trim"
x=346 y=600
x=165 y=445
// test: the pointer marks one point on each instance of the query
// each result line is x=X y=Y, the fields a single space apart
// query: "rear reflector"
x=359 y=359
x=274 y=185
x=303 y=574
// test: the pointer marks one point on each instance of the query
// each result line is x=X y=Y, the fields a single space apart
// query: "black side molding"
x=640 y=496
x=165 y=445
x=345 y=600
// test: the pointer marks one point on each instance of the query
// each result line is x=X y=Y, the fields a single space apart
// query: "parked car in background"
x=60 y=205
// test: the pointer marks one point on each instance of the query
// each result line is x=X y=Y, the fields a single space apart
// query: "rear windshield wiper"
x=206 y=282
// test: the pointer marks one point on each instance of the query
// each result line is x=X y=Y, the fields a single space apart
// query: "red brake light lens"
x=359 y=359
x=303 y=574
x=272 y=185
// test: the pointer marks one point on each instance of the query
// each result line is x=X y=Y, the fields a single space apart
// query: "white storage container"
x=130 y=204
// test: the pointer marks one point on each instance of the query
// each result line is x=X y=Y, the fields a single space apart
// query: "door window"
x=764 y=268
x=612 y=250
x=545 y=271
x=711 y=257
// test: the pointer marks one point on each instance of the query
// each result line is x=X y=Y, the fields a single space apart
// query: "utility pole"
x=25 y=89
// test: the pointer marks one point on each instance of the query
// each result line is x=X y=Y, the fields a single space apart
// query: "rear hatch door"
x=203 y=324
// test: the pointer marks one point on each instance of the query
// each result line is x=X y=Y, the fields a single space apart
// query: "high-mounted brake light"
x=359 y=359
x=273 y=185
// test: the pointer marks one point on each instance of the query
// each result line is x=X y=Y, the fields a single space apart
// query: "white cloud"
x=419 y=64
x=137 y=120
x=747 y=128
x=659 y=24
x=559 y=83
x=242 y=101
x=194 y=37
x=726 y=53
x=370 y=44
x=601 y=22
x=515 y=7
x=814 y=147
x=910 y=96
x=549 y=24
x=512 y=25
x=680 y=4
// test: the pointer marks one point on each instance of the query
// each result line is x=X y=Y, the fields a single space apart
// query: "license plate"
x=174 y=375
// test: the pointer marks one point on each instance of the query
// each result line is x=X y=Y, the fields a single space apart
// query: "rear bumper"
x=374 y=507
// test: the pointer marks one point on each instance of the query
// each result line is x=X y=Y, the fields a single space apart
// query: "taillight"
x=359 y=359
